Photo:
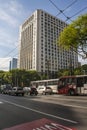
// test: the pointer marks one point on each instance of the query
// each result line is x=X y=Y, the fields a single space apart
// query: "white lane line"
x=74 y=106
x=75 y=100
x=27 y=108
x=65 y=99
x=1 y=102
x=59 y=103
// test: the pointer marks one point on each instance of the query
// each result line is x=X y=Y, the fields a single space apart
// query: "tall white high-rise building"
x=38 y=45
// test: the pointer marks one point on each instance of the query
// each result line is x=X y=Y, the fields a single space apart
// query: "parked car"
x=27 y=90
x=48 y=90
x=33 y=91
x=6 y=91
x=41 y=89
x=5 y=88
x=16 y=91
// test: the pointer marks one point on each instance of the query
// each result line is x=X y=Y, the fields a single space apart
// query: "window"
x=80 y=81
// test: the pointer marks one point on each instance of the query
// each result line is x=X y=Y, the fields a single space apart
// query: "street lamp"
x=28 y=82
x=48 y=65
x=0 y=81
x=70 y=66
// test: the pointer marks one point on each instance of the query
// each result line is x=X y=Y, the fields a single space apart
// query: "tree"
x=63 y=72
x=74 y=36
x=78 y=71
x=84 y=68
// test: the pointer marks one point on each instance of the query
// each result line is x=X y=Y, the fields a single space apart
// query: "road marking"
x=55 y=102
x=1 y=102
x=77 y=99
x=43 y=113
x=41 y=124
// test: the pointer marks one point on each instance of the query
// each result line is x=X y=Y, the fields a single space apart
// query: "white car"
x=41 y=89
x=16 y=91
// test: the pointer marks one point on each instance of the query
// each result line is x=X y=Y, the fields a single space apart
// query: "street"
x=70 y=111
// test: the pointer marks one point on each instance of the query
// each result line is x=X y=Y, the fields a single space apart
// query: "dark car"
x=33 y=91
x=6 y=91
x=48 y=90
x=17 y=91
x=5 y=88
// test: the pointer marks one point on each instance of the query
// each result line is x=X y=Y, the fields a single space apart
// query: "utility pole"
x=48 y=65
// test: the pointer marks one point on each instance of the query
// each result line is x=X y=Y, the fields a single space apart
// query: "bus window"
x=62 y=83
x=52 y=82
x=80 y=81
x=85 y=80
x=71 y=80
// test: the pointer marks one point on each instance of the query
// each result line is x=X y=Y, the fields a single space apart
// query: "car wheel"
x=22 y=94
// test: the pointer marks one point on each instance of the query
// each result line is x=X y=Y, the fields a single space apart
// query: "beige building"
x=38 y=45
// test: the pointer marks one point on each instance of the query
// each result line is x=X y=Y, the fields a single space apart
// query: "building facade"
x=38 y=45
x=13 y=63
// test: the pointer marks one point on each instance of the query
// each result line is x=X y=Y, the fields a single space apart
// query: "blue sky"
x=14 y=12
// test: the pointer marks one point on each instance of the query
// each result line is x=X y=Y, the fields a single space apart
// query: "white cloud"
x=4 y=63
x=7 y=39
x=15 y=7
x=11 y=12
x=8 y=18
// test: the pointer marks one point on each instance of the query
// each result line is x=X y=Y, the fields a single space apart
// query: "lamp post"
x=0 y=81
x=70 y=66
x=28 y=82
x=48 y=63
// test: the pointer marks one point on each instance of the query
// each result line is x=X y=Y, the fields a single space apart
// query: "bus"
x=73 y=85
x=52 y=83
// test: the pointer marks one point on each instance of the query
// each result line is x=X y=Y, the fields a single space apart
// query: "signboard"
x=42 y=124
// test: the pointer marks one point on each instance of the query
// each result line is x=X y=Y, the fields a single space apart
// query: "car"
x=41 y=89
x=26 y=90
x=5 y=88
x=48 y=90
x=6 y=91
x=33 y=91
x=16 y=91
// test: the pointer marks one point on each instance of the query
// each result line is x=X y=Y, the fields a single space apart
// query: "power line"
x=60 y=12
x=67 y=7
x=4 y=60
x=11 y=51
x=8 y=55
x=78 y=12
x=68 y=18
x=54 y=5
x=70 y=5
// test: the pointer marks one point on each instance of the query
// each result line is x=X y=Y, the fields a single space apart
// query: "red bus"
x=73 y=85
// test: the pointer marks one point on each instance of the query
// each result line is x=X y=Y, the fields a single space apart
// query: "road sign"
x=41 y=124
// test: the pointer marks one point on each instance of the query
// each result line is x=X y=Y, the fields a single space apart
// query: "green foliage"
x=63 y=72
x=23 y=78
x=84 y=67
x=19 y=77
x=75 y=34
x=78 y=71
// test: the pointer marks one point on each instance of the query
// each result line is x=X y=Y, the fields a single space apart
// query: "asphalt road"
x=65 y=110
